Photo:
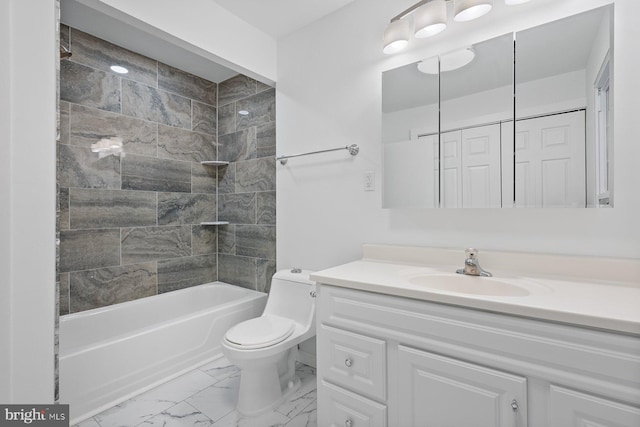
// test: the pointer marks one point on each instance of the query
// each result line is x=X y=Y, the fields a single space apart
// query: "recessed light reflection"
x=119 y=69
x=243 y=112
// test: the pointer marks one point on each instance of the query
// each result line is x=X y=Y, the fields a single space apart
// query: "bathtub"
x=108 y=355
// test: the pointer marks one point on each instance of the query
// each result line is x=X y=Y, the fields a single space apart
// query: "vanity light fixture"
x=467 y=10
x=396 y=36
x=430 y=18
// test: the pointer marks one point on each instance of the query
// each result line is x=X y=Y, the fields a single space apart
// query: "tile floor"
x=205 y=397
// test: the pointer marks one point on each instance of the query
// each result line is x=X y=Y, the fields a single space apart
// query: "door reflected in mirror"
x=475 y=101
x=561 y=137
x=448 y=131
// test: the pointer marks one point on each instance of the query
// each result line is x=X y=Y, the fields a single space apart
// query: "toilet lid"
x=260 y=332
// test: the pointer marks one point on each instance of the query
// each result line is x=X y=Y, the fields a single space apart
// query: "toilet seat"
x=260 y=332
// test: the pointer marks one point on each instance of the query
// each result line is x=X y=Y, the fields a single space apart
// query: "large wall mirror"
x=448 y=131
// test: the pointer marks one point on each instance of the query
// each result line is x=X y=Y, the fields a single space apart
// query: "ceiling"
x=278 y=18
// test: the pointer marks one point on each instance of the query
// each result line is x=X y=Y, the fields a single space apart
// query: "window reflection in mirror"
x=562 y=139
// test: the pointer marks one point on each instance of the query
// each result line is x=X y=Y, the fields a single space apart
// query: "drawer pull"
x=348 y=422
x=348 y=362
x=514 y=405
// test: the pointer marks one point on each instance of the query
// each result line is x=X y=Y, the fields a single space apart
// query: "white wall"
x=329 y=94
x=202 y=26
x=27 y=247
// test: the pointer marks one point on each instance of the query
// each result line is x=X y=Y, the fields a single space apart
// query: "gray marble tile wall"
x=130 y=225
x=247 y=187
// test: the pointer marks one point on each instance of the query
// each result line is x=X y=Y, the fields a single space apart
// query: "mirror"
x=449 y=138
x=410 y=137
x=556 y=116
x=476 y=100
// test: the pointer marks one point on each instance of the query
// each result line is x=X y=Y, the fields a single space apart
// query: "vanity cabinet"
x=391 y=361
x=451 y=392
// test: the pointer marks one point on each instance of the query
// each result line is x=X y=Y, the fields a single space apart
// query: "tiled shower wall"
x=247 y=187
x=129 y=226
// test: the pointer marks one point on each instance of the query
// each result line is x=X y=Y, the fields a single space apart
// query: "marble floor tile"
x=307 y=418
x=220 y=368
x=180 y=388
x=88 y=423
x=304 y=396
x=219 y=399
x=206 y=397
x=271 y=419
x=142 y=407
x=180 y=415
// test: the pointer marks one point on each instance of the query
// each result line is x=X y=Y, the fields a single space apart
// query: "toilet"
x=265 y=348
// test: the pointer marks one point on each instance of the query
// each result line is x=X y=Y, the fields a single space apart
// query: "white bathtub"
x=109 y=354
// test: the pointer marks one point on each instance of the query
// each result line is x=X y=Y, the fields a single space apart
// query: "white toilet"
x=265 y=348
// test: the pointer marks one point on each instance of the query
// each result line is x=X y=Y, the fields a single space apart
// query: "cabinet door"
x=437 y=391
x=572 y=408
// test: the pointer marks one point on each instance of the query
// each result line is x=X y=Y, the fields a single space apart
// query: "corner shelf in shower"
x=216 y=163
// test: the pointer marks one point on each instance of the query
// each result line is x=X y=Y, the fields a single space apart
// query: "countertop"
x=565 y=296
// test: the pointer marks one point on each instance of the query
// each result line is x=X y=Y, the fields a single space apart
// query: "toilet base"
x=266 y=384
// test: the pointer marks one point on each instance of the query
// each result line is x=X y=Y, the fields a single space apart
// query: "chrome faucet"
x=472 y=265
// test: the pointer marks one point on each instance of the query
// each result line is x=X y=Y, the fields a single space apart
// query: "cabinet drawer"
x=353 y=361
x=340 y=408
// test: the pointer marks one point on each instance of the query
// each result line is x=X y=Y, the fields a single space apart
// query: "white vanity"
x=548 y=341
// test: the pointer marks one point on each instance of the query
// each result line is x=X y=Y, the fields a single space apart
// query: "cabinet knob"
x=348 y=362
x=348 y=423
x=514 y=405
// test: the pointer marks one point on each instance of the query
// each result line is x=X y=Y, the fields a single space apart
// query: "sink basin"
x=474 y=285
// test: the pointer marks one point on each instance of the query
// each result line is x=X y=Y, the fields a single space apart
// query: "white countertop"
x=563 y=296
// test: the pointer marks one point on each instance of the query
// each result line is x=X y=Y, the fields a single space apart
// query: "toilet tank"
x=292 y=295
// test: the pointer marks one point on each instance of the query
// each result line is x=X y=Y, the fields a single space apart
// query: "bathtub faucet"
x=472 y=265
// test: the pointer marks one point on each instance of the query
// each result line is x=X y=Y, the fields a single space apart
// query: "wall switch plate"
x=369 y=181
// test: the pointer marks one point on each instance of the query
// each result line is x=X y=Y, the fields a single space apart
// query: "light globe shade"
x=466 y=10
x=396 y=36
x=430 y=19
x=448 y=61
x=429 y=66
x=456 y=59
x=512 y=2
